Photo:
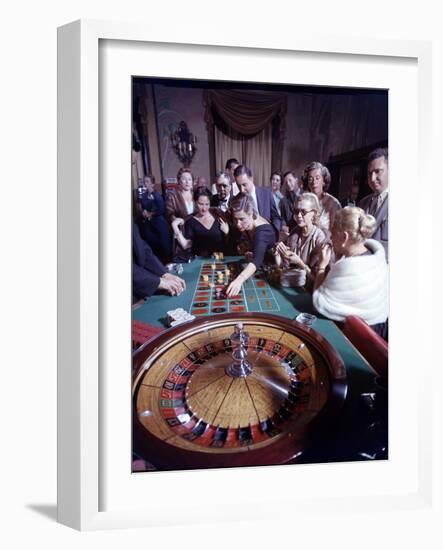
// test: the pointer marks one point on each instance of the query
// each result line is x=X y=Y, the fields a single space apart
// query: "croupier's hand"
x=234 y=287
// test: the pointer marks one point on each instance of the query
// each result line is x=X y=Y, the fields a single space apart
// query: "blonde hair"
x=314 y=202
x=359 y=225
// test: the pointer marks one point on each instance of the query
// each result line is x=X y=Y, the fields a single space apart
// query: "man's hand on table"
x=171 y=283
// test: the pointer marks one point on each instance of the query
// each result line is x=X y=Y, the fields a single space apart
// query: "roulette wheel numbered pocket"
x=202 y=416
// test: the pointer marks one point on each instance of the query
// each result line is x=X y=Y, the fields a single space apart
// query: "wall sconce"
x=183 y=143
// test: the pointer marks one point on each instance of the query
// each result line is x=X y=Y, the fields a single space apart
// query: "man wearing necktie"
x=376 y=203
x=261 y=196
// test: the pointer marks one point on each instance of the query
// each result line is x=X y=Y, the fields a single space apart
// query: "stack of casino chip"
x=177 y=316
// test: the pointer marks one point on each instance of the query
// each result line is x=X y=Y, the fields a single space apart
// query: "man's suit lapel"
x=259 y=199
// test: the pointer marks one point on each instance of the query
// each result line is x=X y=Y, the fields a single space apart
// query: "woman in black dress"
x=206 y=231
x=259 y=235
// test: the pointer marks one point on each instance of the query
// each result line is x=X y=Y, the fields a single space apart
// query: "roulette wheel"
x=243 y=390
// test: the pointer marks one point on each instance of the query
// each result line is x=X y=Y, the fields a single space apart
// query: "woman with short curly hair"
x=180 y=202
x=317 y=179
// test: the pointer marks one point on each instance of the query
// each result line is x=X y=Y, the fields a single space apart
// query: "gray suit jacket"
x=382 y=232
x=266 y=207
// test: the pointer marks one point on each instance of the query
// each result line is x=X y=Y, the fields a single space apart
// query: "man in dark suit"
x=377 y=202
x=223 y=197
x=262 y=196
x=352 y=198
x=148 y=273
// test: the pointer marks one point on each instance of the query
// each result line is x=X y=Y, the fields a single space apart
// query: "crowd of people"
x=294 y=223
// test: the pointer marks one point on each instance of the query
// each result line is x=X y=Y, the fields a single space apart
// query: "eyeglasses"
x=301 y=211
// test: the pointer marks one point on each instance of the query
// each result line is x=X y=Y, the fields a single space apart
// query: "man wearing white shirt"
x=222 y=198
x=231 y=165
x=262 y=196
x=377 y=202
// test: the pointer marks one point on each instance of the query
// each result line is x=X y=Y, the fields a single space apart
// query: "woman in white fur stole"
x=357 y=283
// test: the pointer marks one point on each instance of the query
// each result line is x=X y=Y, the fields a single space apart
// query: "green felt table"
x=288 y=303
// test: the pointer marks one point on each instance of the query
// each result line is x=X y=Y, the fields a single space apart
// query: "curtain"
x=247 y=112
x=244 y=123
x=255 y=152
x=137 y=168
x=226 y=148
x=258 y=156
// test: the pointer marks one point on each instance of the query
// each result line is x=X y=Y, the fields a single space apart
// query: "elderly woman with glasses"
x=302 y=248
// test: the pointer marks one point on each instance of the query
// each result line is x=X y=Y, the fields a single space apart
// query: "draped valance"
x=246 y=112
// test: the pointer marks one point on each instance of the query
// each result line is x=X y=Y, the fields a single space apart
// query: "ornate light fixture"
x=183 y=143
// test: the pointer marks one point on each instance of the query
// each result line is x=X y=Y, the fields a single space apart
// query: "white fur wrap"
x=356 y=285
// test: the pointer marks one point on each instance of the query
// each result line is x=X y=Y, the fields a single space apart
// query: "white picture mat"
x=225 y=493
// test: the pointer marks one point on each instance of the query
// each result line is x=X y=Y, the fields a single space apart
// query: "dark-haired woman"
x=259 y=234
x=206 y=231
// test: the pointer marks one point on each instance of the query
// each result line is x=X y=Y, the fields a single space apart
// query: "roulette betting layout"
x=214 y=277
x=233 y=390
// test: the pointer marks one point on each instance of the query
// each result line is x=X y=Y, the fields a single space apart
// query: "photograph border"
x=79 y=254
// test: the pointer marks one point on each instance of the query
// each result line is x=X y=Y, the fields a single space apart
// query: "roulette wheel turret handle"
x=240 y=366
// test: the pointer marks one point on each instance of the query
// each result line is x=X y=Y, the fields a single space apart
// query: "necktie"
x=379 y=201
x=374 y=204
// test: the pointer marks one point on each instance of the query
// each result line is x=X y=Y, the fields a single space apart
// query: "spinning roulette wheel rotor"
x=193 y=409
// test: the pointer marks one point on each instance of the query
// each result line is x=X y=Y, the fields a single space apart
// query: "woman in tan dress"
x=302 y=249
